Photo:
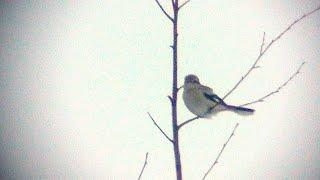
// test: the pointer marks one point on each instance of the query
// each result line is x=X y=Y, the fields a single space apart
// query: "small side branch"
x=290 y=26
x=164 y=11
x=195 y=118
x=154 y=122
x=170 y=99
x=179 y=88
x=144 y=166
x=183 y=4
x=254 y=66
x=278 y=89
x=263 y=51
x=188 y=121
x=221 y=151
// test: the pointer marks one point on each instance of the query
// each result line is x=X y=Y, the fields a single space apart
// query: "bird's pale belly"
x=196 y=103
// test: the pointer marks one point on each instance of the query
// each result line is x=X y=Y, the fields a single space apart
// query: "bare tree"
x=173 y=97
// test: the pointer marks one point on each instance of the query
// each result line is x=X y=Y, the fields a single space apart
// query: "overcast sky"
x=78 y=78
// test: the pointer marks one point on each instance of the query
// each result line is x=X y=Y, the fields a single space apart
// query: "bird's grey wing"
x=208 y=93
x=214 y=98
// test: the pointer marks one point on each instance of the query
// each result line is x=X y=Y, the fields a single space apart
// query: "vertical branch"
x=175 y=129
x=144 y=166
x=175 y=89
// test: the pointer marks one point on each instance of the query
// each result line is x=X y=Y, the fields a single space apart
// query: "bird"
x=203 y=102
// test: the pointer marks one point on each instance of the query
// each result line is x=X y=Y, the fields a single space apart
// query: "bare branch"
x=164 y=11
x=144 y=165
x=170 y=99
x=154 y=122
x=262 y=44
x=179 y=88
x=183 y=4
x=254 y=66
x=221 y=151
x=195 y=118
x=267 y=48
x=278 y=89
x=188 y=121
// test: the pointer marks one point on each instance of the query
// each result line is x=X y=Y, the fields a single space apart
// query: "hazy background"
x=77 y=78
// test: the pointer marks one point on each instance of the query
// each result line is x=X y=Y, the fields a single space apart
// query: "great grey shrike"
x=201 y=100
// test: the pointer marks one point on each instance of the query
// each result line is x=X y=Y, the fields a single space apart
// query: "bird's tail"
x=240 y=110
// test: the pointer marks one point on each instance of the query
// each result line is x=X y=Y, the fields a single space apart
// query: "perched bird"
x=201 y=100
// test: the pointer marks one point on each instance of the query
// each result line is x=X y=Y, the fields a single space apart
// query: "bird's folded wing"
x=208 y=93
x=214 y=98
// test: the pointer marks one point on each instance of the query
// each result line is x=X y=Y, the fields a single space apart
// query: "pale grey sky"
x=77 y=78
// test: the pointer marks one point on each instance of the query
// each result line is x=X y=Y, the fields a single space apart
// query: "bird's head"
x=193 y=79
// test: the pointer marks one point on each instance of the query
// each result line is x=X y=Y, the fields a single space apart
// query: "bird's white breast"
x=195 y=101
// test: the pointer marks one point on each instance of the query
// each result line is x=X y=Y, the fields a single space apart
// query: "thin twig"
x=183 y=4
x=262 y=44
x=154 y=122
x=179 y=88
x=221 y=151
x=170 y=99
x=144 y=165
x=267 y=48
x=195 y=118
x=278 y=89
x=188 y=121
x=164 y=11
